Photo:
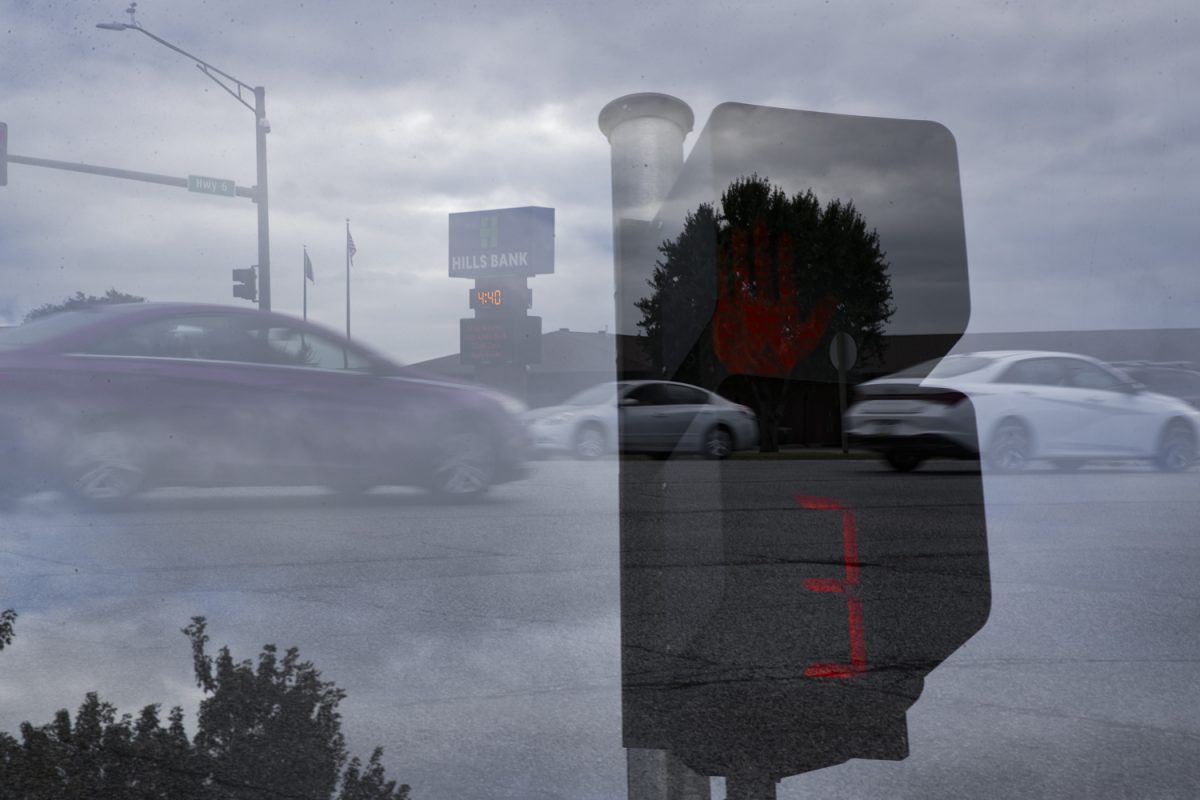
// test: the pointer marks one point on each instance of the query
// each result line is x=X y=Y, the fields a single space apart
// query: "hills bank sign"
x=503 y=241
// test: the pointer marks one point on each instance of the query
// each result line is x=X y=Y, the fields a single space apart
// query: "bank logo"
x=489 y=232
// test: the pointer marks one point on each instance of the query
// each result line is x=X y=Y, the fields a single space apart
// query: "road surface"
x=480 y=644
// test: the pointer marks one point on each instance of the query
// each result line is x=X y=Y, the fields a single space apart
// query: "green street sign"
x=205 y=185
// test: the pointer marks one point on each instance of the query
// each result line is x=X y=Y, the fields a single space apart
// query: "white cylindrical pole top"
x=646 y=133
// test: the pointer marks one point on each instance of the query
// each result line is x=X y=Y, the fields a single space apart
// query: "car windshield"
x=771 y=451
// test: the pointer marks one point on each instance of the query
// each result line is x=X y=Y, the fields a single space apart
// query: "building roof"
x=563 y=350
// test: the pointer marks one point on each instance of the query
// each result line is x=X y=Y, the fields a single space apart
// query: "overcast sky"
x=1076 y=130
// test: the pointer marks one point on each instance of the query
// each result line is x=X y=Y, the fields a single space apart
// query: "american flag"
x=350 y=248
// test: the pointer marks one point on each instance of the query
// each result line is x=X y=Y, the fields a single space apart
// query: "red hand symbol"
x=757 y=331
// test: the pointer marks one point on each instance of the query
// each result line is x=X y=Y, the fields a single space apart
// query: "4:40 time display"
x=485 y=297
x=508 y=297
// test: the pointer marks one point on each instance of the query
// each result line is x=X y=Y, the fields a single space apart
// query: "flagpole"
x=347 y=279
x=304 y=280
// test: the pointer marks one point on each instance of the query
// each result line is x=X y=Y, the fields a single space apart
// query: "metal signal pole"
x=261 y=129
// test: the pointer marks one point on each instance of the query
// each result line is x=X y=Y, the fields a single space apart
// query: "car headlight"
x=558 y=419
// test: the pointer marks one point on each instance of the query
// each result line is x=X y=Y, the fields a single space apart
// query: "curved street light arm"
x=199 y=61
x=205 y=67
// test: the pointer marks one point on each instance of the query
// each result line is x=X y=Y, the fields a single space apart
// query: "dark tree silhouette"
x=755 y=291
x=81 y=300
x=7 y=618
x=263 y=732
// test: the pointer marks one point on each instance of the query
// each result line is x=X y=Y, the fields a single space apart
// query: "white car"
x=656 y=417
x=1023 y=405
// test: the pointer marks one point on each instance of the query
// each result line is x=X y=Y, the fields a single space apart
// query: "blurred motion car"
x=655 y=417
x=107 y=401
x=1021 y=406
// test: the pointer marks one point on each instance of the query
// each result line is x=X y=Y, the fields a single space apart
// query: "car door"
x=193 y=418
x=688 y=415
x=335 y=418
x=1114 y=418
x=1033 y=390
x=644 y=412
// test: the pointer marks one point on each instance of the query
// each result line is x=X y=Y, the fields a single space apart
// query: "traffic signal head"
x=245 y=283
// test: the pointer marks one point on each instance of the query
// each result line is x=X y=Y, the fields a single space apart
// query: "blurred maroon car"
x=107 y=401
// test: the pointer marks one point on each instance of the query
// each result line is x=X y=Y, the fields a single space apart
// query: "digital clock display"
x=493 y=297
x=501 y=295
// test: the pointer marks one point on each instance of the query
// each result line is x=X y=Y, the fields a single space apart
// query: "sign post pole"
x=843 y=352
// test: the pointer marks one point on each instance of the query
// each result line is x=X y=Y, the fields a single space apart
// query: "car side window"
x=1083 y=375
x=649 y=394
x=213 y=337
x=685 y=395
x=1035 y=372
x=307 y=349
x=164 y=338
x=224 y=339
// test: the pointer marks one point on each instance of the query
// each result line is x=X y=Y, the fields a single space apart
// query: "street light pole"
x=261 y=129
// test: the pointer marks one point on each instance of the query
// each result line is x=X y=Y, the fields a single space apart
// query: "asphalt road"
x=481 y=644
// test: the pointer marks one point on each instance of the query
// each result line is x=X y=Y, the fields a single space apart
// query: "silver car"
x=655 y=417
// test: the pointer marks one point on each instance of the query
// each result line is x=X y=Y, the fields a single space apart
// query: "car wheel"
x=464 y=465
x=589 y=442
x=903 y=460
x=105 y=468
x=718 y=443
x=1011 y=447
x=1176 y=448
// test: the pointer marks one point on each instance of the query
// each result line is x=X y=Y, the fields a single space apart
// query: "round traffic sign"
x=850 y=348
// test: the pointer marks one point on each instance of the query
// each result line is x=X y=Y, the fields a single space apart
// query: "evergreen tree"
x=754 y=292
x=7 y=618
x=81 y=300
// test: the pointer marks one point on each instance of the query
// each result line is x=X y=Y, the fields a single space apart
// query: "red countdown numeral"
x=848 y=586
